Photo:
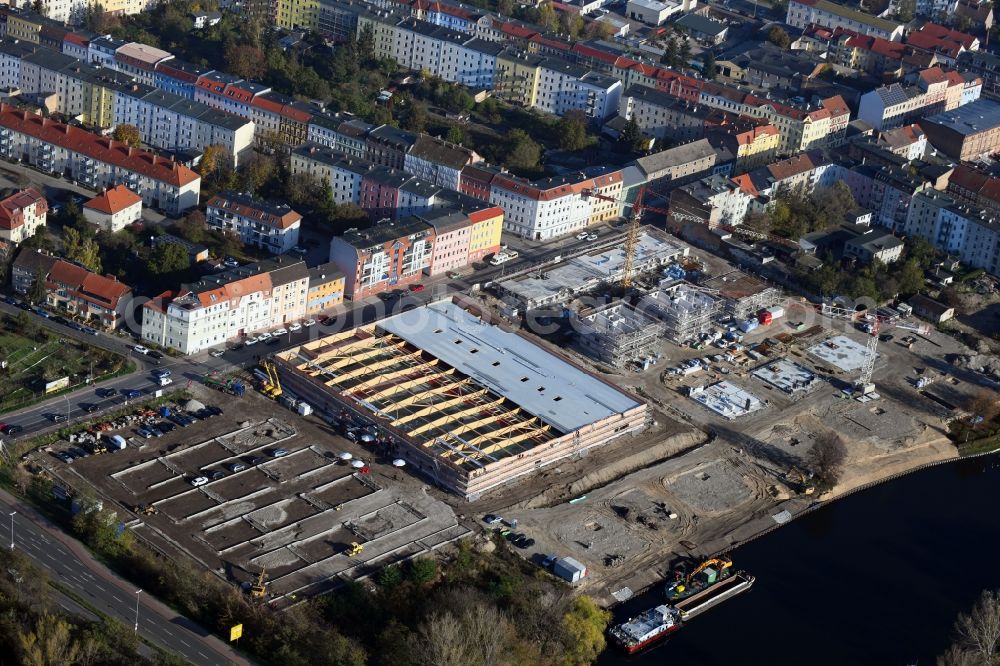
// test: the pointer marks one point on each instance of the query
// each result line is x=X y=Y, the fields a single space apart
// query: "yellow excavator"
x=801 y=481
x=354 y=549
x=259 y=589
x=687 y=585
x=271 y=387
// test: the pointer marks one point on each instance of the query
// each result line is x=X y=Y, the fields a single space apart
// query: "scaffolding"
x=744 y=296
x=685 y=310
x=618 y=334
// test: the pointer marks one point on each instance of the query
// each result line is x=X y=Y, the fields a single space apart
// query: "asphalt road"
x=69 y=564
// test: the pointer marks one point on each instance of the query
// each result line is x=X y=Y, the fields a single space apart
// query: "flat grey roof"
x=971 y=118
x=539 y=382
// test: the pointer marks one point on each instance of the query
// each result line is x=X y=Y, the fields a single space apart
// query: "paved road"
x=71 y=565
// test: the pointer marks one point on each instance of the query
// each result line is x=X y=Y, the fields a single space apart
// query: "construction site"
x=740 y=381
x=471 y=404
x=617 y=335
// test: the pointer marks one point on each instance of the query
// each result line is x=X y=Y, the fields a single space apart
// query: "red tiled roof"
x=102 y=290
x=746 y=184
x=113 y=201
x=836 y=105
x=67 y=274
x=11 y=208
x=74 y=38
x=285 y=110
x=933 y=37
x=484 y=214
x=284 y=221
x=933 y=75
x=516 y=30
x=97 y=147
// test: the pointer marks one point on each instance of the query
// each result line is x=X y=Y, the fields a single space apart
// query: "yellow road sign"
x=235 y=632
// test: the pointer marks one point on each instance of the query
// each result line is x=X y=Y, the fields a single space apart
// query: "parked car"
x=218 y=474
x=10 y=300
x=139 y=349
x=155 y=354
x=236 y=467
x=65 y=457
x=452 y=275
x=492 y=519
x=272 y=341
x=417 y=288
x=549 y=561
x=251 y=341
x=162 y=372
x=199 y=481
x=255 y=460
x=216 y=353
x=278 y=453
x=309 y=322
x=231 y=262
x=524 y=542
x=280 y=331
x=591 y=237
x=131 y=394
x=264 y=336
x=295 y=327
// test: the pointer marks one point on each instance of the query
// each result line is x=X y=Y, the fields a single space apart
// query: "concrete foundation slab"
x=728 y=400
x=841 y=352
x=789 y=377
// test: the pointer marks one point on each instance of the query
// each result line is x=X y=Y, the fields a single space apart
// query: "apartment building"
x=438 y=162
x=970 y=233
x=389 y=255
x=932 y=91
x=22 y=214
x=178 y=77
x=712 y=199
x=267 y=225
x=754 y=142
x=799 y=129
x=96 y=161
x=803 y=13
x=946 y=44
x=556 y=206
x=99 y=300
x=343 y=173
x=326 y=289
x=140 y=61
x=965 y=133
x=873 y=55
x=974 y=188
x=113 y=209
x=339 y=131
x=227 y=306
x=677 y=165
x=663 y=116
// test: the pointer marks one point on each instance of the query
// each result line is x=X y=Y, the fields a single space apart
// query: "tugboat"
x=707 y=574
x=647 y=628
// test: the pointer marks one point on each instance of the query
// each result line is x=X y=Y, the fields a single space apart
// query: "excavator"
x=354 y=549
x=687 y=585
x=259 y=589
x=801 y=481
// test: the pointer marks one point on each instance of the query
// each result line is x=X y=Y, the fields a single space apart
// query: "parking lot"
x=252 y=487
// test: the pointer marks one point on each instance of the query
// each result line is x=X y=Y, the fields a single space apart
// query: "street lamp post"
x=12 y=514
x=137 y=593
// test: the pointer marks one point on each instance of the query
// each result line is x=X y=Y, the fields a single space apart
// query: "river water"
x=876 y=578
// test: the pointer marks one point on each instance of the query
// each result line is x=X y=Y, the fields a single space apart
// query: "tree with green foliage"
x=391 y=576
x=423 y=570
x=505 y=7
x=632 y=136
x=670 y=52
x=415 y=116
x=684 y=52
x=192 y=227
x=37 y=292
x=522 y=151
x=584 y=625
x=910 y=277
x=777 y=36
x=572 y=131
x=708 y=67
x=168 y=258
x=457 y=135
x=546 y=16
x=128 y=134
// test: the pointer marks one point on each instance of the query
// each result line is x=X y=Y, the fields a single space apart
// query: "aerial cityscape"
x=499 y=332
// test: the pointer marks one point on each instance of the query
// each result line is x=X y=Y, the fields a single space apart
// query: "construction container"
x=777 y=312
x=117 y=442
x=304 y=409
x=710 y=575
x=749 y=325
x=764 y=317
x=569 y=569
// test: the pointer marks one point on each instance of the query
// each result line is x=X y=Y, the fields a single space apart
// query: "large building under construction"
x=617 y=334
x=685 y=310
x=474 y=405
x=743 y=294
